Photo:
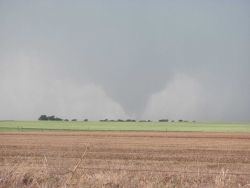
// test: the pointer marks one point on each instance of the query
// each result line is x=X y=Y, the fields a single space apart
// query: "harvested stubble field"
x=124 y=159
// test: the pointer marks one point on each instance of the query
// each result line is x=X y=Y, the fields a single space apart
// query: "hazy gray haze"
x=125 y=59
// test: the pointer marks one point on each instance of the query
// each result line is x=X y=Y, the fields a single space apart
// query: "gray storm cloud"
x=28 y=90
x=133 y=59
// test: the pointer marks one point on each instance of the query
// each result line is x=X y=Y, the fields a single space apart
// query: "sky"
x=95 y=59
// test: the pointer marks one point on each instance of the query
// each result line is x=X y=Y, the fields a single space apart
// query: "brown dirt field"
x=124 y=159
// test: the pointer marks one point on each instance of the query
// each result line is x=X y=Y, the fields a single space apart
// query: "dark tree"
x=85 y=120
x=104 y=120
x=51 y=118
x=74 y=120
x=58 y=119
x=163 y=120
x=130 y=120
x=43 y=117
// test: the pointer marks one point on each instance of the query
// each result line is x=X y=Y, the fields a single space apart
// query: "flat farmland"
x=122 y=126
x=124 y=159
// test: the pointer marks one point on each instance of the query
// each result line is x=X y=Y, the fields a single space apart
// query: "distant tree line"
x=118 y=120
x=54 y=118
x=49 y=118
x=180 y=121
x=163 y=120
x=132 y=120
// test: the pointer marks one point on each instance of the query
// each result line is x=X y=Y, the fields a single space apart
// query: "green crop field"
x=121 y=126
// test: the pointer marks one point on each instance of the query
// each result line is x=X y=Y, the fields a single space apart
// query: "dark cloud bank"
x=130 y=59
